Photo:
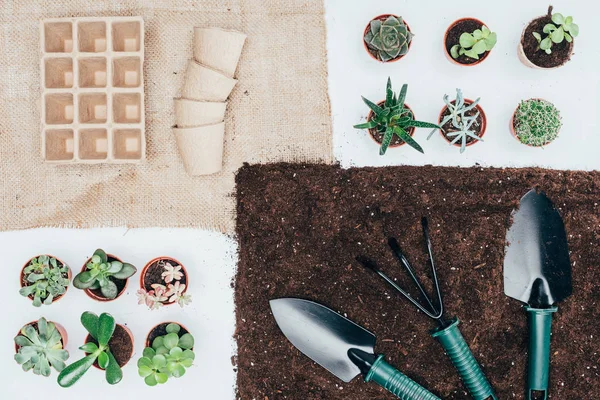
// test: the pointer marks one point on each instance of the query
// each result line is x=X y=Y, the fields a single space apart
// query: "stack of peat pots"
x=200 y=112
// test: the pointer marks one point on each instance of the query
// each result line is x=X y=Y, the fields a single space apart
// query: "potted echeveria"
x=40 y=346
x=108 y=347
x=44 y=279
x=104 y=276
x=391 y=122
x=468 y=41
x=547 y=41
x=387 y=38
x=168 y=353
x=536 y=122
x=462 y=120
x=164 y=281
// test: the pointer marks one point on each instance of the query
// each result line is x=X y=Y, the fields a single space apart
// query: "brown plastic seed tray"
x=93 y=90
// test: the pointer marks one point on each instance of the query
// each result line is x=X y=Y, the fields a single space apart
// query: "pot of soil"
x=63 y=333
x=468 y=42
x=478 y=127
x=547 y=41
x=377 y=136
x=44 y=279
x=104 y=276
x=535 y=122
x=387 y=38
x=161 y=330
x=120 y=345
x=163 y=281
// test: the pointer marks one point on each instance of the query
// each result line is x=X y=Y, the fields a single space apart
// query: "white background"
x=501 y=81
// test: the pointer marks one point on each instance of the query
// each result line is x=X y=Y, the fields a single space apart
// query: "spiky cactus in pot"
x=388 y=39
x=536 y=122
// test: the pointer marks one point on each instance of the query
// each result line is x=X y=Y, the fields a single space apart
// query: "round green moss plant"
x=536 y=122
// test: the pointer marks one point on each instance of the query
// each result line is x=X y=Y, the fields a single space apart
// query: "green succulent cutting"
x=41 y=348
x=536 y=122
x=101 y=328
x=99 y=272
x=168 y=357
x=565 y=29
x=474 y=44
x=389 y=39
x=394 y=118
x=46 y=278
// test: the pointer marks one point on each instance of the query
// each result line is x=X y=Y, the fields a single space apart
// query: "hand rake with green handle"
x=447 y=332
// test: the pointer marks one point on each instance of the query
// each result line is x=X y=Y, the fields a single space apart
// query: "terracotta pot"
x=483 y=122
x=512 y=128
x=148 y=344
x=382 y=18
x=63 y=334
x=449 y=56
x=410 y=131
x=69 y=276
x=183 y=270
x=100 y=298
x=89 y=338
x=523 y=57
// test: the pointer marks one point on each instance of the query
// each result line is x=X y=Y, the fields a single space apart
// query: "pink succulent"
x=171 y=273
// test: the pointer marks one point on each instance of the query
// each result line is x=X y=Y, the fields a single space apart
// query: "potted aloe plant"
x=387 y=38
x=536 y=122
x=104 y=276
x=391 y=122
x=40 y=346
x=547 y=41
x=44 y=279
x=462 y=120
x=168 y=353
x=468 y=41
x=163 y=281
x=108 y=347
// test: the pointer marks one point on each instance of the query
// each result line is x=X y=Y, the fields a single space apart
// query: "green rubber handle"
x=396 y=382
x=540 y=327
x=465 y=363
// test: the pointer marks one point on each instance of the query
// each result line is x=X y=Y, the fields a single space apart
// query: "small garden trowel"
x=537 y=271
x=340 y=346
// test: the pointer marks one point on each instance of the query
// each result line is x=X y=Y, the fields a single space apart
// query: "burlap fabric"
x=278 y=111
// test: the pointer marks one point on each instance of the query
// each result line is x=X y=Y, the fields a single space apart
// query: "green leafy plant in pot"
x=40 y=347
x=102 y=273
x=100 y=328
x=168 y=356
x=391 y=122
x=387 y=38
x=44 y=279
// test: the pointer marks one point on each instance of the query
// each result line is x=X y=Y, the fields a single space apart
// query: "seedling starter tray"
x=92 y=81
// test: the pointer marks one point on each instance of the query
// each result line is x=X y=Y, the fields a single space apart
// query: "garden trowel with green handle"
x=342 y=347
x=537 y=271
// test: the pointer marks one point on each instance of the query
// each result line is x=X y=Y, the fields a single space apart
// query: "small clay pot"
x=22 y=277
x=152 y=334
x=512 y=128
x=63 y=333
x=447 y=46
x=481 y=131
x=382 y=18
x=538 y=59
x=146 y=285
x=122 y=359
x=95 y=294
x=374 y=131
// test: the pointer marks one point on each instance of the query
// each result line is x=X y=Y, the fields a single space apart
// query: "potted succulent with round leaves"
x=104 y=277
x=101 y=328
x=44 y=279
x=468 y=41
x=40 y=347
x=168 y=355
x=536 y=122
x=547 y=41
x=387 y=38
x=163 y=281
x=391 y=122
x=462 y=120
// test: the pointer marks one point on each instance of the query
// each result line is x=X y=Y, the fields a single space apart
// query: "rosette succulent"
x=41 y=348
x=47 y=278
x=389 y=39
x=536 y=122
x=565 y=29
x=168 y=357
x=99 y=272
